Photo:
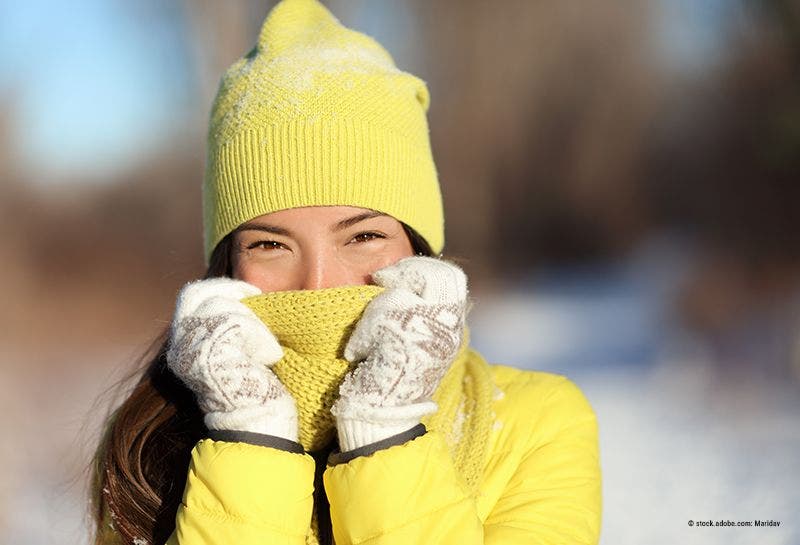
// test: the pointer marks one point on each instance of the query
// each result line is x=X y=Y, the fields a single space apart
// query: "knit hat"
x=318 y=114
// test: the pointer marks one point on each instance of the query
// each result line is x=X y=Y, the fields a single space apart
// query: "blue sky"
x=94 y=83
x=97 y=84
x=692 y=32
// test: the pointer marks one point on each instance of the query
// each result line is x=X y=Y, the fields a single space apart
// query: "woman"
x=318 y=385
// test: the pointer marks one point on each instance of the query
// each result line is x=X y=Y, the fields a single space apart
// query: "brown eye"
x=265 y=244
x=367 y=236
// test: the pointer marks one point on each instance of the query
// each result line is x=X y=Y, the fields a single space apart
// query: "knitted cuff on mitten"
x=278 y=418
x=358 y=426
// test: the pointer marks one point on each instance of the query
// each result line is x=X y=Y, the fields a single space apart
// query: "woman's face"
x=316 y=247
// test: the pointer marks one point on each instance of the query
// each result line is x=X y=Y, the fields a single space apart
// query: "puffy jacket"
x=541 y=483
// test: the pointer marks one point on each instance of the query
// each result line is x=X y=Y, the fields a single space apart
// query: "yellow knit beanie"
x=318 y=114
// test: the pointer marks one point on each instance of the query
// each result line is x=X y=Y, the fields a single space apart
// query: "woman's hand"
x=405 y=342
x=223 y=353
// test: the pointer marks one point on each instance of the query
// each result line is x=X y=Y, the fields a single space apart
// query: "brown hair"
x=140 y=466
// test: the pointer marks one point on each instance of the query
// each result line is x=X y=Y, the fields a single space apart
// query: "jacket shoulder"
x=539 y=406
x=543 y=464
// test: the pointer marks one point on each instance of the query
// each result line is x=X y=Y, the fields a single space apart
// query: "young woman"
x=317 y=386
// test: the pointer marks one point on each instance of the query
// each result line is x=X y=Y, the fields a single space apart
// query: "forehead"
x=318 y=216
x=320 y=213
x=313 y=219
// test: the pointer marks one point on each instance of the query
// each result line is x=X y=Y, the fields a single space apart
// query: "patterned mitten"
x=405 y=342
x=223 y=353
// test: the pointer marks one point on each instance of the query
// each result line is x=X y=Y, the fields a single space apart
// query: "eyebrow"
x=347 y=222
x=343 y=224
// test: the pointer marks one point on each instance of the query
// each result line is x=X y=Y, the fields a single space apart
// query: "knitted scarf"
x=313 y=327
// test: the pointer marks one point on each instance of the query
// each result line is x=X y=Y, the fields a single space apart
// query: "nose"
x=325 y=269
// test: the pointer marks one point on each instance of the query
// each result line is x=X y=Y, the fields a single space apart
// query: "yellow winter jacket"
x=541 y=483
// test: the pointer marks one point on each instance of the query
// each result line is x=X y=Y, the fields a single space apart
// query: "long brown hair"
x=140 y=466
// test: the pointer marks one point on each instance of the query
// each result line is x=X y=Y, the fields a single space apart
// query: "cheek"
x=257 y=276
x=390 y=257
x=401 y=249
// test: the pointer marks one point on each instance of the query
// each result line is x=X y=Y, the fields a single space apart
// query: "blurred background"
x=621 y=181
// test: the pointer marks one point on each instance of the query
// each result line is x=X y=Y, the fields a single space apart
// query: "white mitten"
x=223 y=353
x=405 y=342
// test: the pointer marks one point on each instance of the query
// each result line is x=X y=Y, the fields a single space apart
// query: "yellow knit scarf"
x=313 y=327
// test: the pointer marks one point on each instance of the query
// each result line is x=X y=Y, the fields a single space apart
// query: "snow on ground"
x=50 y=415
x=676 y=447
